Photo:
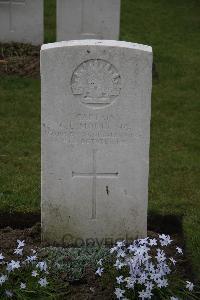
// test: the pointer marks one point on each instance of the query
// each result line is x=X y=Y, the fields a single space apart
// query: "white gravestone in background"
x=96 y=98
x=88 y=19
x=21 y=21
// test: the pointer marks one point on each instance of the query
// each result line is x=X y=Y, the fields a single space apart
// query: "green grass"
x=172 y=29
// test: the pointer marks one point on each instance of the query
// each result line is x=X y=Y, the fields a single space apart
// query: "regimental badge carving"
x=96 y=82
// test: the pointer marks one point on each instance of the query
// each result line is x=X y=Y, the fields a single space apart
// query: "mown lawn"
x=172 y=28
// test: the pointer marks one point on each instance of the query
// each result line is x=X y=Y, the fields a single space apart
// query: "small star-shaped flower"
x=1 y=256
x=189 y=286
x=99 y=271
x=20 y=243
x=179 y=250
x=43 y=282
x=22 y=286
x=34 y=273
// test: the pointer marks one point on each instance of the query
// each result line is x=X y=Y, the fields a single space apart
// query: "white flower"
x=43 y=281
x=120 y=244
x=99 y=271
x=162 y=283
x=33 y=251
x=34 y=273
x=179 y=250
x=130 y=282
x=145 y=295
x=20 y=243
x=120 y=279
x=13 y=265
x=42 y=265
x=143 y=241
x=165 y=240
x=100 y=262
x=121 y=253
x=174 y=298
x=189 y=286
x=149 y=285
x=143 y=278
x=132 y=248
x=160 y=256
x=119 y=293
x=113 y=249
x=119 y=264
x=18 y=251
x=31 y=258
x=152 y=242
x=8 y=293
x=1 y=256
x=172 y=260
x=3 y=278
x=22 y=286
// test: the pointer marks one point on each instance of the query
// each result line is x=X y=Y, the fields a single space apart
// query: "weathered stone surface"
x=95 y=140
x=88 y=19
x=21 y=21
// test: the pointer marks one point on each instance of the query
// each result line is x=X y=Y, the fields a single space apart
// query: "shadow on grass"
x=168 y=224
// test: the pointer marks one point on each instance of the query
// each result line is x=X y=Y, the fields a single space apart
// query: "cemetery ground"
x=172 y=29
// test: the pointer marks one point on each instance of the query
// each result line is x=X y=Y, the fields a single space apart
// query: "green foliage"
x=72 y=263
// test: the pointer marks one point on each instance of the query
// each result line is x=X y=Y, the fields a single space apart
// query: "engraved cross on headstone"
x=94 y=174
x=11 y=3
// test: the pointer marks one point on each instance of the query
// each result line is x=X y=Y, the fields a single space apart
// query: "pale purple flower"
x=118 y=264
x=145 y=294
x=18 y=251
x=160 y=255
x=189 y=286
x=8 y=293
x=31 y=258
x=99 y=271
x=22 y=286
x=20 y=243
x=162 y=283
x=43 y=282
x=172 y=260
x=100 y=262
x=3 y=278
x=34 y=273
x=120 y=244
x=173 y=298
x=149 y=285
x=120 y=279
x=152 y=242
x=119 y=293
x=42 y=265
x=113 y=249
x=165 y=240
x=143 y=241
x=179 y=250
x=1 y=256
x=130 y=282
x=121 y=253
x=13 y=265
x=132 y=248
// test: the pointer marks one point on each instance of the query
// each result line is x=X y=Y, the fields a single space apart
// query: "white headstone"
x=96 y=98
x=21 y=21
x=88 y=19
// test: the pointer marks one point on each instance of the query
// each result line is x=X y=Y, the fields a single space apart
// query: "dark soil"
x=20 y=59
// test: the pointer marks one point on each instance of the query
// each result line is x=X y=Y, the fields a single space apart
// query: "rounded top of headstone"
x=92 y=42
